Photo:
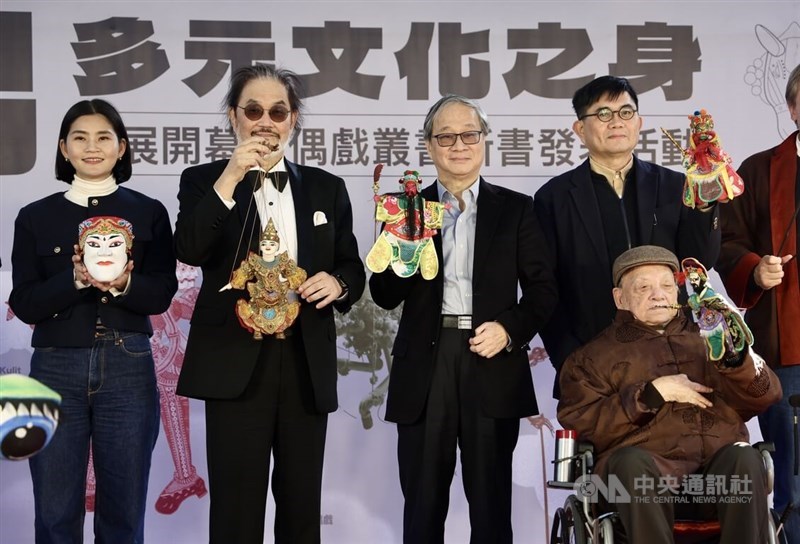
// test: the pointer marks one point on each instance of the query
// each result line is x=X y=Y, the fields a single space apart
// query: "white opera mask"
x=105 y=243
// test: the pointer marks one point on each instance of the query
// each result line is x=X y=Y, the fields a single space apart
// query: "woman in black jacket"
x=91 y=338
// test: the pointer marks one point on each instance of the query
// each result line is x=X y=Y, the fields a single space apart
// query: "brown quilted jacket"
x=603 y=394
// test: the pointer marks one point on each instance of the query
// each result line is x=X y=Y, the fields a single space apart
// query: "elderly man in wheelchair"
x=667 y=422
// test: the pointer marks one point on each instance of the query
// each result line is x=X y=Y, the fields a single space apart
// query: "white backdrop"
x=373 y=69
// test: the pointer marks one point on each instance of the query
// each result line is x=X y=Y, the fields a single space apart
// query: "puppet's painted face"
x=28 y=416
x=269 y=247
x=105 y=256
x=105 y=243
x=695 y=273
x=269 y=243
x=411 y=182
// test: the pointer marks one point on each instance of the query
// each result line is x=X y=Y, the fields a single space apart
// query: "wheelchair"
x=578 y=523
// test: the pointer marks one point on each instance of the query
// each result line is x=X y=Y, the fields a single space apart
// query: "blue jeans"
x=109 y=395
x=777 y=426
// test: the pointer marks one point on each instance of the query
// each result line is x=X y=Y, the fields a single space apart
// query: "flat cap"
x=642 y=255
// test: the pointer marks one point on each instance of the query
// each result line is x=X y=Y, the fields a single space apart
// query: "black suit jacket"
x=220 y=353
x=570 y=217
x=510 y=252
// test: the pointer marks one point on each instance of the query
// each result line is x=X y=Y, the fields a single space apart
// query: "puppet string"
x=260 y=178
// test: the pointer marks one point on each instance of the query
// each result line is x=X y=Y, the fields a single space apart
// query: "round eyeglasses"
x=448 y=139
x=254 y=112
x=605 y=115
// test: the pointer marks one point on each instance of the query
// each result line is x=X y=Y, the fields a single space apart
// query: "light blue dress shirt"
x=458 y=248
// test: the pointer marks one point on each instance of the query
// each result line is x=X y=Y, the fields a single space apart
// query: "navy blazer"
x=220 y=353
x=44 y=292
x=570 y=217
x=510 y=253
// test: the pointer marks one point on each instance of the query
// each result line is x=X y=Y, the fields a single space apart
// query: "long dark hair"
x=122 y=169
x=287 y=78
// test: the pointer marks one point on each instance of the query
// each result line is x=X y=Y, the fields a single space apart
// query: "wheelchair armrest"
x=765 y=448
x=586 y=455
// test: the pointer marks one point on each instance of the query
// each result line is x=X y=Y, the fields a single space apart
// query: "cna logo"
x=690 y=488
x=768 y=74
x=18 y=129
x=591 y=487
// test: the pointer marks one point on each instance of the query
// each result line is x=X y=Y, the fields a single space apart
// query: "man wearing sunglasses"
x=460 y=374
x=271 y=395
x=607 y=205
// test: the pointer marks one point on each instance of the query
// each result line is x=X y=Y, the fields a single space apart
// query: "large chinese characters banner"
x=371 y=71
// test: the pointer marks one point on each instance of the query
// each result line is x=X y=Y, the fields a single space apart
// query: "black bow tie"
x=279 y=179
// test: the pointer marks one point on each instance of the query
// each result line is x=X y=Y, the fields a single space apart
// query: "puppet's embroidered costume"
x=721 y=325
x=268 y=278
x=709 y=174
x=406 y=242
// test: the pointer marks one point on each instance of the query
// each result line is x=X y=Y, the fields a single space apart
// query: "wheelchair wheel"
x=773 y=527
x=555 y=530
x=573 y=528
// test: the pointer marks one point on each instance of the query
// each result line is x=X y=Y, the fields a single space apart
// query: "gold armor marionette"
x=709 y=175
x=268 y=278
x=406 y=242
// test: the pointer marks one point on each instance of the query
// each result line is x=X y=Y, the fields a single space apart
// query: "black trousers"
x=649 y=518
x=276 y=414
x=427 y=453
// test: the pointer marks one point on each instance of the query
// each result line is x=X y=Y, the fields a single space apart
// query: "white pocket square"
x=320 y=219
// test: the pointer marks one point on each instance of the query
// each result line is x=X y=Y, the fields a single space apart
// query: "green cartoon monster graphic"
x=29 y=414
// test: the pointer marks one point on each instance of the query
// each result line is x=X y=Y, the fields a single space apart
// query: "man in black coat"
x=607 y=205
x=460 y=373
x=271 y=395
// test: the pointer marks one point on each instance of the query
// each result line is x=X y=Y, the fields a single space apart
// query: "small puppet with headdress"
x=709 y=175
x=721 y=325
x=268 y=278
x=104 y=245
x=410 y=222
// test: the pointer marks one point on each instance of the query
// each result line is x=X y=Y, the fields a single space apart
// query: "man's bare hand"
x=679 y=388
x=769 y=271
x=489 y=339
x=321 y=288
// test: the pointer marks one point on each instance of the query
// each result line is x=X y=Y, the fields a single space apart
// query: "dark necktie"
x=279 y=179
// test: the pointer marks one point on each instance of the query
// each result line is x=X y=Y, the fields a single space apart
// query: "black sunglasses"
x=254 y=112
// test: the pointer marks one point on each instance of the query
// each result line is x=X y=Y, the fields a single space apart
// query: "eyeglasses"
x=254 y=112
x=605 y=115
x=448 y=139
